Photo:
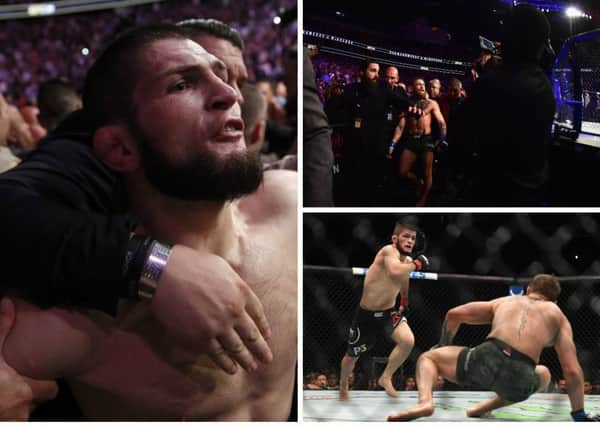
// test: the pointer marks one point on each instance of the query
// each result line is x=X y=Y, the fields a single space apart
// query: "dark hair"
x=546 y=285
x=364 y=64
x=110 y=82
x=526 y=32
x=255 y=106
x=212 y=27
x=56 y=98
x=403 y=225
x=455 y=82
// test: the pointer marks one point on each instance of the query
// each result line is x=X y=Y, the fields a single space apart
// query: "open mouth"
x=231 y=131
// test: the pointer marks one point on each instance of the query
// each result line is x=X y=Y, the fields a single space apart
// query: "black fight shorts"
x=368 y=326
x=494 y=365
x=420 y=143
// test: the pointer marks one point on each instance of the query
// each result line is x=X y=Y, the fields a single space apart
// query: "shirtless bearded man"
x=387 y=277
x=169 y=123
x=419 y=141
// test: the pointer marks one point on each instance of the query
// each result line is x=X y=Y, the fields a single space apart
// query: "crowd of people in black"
x=478 y=139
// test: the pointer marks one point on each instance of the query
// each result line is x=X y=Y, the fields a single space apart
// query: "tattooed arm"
x=448 y=332
x=473 y=313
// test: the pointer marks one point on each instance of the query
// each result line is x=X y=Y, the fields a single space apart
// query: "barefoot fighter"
x=507 y=362
x=376 y=316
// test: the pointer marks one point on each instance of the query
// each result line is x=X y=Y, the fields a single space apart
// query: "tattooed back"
x=528 y=324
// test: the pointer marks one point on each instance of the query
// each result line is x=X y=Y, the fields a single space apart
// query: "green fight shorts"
x=494 y=365
x=420 y=143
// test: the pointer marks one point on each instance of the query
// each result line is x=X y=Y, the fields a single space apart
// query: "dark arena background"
x=434 y=39
x=477 y=256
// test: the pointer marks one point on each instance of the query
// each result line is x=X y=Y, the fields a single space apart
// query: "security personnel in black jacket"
x=508 y=117
x=366 y=106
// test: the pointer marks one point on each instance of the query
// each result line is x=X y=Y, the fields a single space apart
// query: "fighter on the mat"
x=419 y=142
x=507 y=361
x=376 y=316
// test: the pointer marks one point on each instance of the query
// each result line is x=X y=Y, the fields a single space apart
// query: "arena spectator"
x=562 y=385
x=434 y=89
x=276 y=113
x=440 y=383
x=332 y=381
x=56 y=99
x=30 y=114
x=52 y=47
x=410 y=384
x=316 y=381
x=7 y=159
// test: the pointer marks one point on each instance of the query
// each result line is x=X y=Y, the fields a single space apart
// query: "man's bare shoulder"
x=277 y=195
x=388 y=250
x=548 y=307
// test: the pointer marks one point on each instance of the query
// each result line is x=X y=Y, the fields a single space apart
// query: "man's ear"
x=394 y=239
x=257 y=135
x=115 y=147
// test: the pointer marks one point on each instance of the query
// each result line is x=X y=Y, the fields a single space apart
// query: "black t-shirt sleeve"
x=61 y=243
x=398 y=98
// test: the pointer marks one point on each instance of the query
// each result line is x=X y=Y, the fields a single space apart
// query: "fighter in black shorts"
x=368 y=326
x=420 y=142
x=386 y=278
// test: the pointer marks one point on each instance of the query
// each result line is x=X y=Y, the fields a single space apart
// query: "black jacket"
x=62 y=243
x=508 y=117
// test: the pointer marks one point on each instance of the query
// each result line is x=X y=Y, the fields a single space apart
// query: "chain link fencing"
x=466 y=249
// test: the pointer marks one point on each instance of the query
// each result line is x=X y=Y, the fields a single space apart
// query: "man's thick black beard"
x=205 y=176
x=402 y=251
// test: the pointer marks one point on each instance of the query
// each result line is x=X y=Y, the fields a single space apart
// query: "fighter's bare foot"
x=386 y=383
x=422 y=410
x=474 y=413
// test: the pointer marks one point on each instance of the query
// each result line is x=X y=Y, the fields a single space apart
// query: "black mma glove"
x=421 y=262
x=582 y=416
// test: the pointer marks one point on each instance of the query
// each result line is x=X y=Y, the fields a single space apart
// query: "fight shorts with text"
x=368 y=326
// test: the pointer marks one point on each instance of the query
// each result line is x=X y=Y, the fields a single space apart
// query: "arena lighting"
x=42 y=9
x=277 y=20
x=573 y=12
x=63 y=7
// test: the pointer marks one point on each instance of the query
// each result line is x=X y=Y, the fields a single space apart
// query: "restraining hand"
x=207 y=308
x=18 y=394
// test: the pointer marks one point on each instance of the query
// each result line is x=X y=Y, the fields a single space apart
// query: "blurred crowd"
x=329 y=380
x=42 y=74
x=65 y=46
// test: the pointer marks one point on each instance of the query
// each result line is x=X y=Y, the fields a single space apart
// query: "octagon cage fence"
x=474 y=257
